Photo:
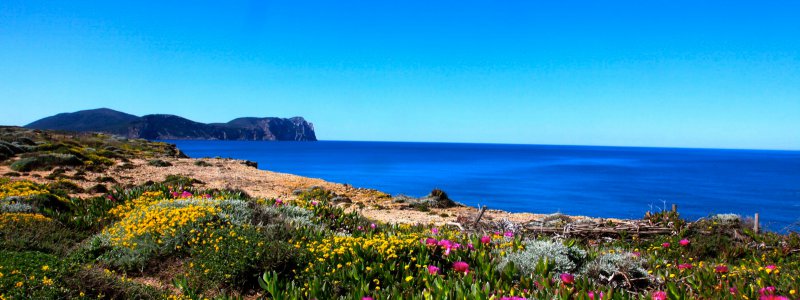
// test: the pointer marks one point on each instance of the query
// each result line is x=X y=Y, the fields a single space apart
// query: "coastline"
x=222 y=173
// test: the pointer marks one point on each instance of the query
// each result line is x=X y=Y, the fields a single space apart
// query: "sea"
x=607 y=182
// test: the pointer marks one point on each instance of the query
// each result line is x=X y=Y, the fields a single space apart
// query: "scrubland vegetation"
x=178 y=240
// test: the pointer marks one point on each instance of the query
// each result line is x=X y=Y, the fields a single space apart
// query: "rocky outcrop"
x=171 y=127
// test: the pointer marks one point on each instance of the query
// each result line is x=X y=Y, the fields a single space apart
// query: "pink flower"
x=366 y=298
x=513 y=298
x=636 y=254
x=508 y=234
x=448 y=246
x=659 y=295
x=770 y=290
x=486 y=239
x=592 y=295
x=567 y=278
x=433 y=270
x=733 y=290
x=278 y=202
x=684 y=242
x=314 y=203
x=186 y=194
x=773 y=297
x=460 y=267
x=435 y=230
x=207 y=196
x=373 y=226
x=175 y=194
x=722 y=269
x=360 y=228
x=684 y=266
x=470 y=246
x=431 y=242
x=110 y=197
x=771 y=267
x=768 y=293
x=665 y=245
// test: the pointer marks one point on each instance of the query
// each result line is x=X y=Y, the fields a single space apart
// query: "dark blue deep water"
x=581 y=180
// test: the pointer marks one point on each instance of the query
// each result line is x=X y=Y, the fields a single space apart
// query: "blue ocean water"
x=622 y=182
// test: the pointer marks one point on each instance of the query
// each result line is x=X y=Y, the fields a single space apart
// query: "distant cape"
x=171 y=127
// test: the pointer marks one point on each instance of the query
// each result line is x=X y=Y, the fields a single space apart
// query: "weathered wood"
x=755 y=224
x=480 y=215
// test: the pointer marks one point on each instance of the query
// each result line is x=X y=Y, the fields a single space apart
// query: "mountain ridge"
x=167 y=126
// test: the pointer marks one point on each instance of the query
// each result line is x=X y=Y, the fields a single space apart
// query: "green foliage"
x=66 y=186
x=201 y=163
x=30 y=275
x=564 y=259
x=234 y=257
x=31 y=232
x=180 y=181
x=159 y=163
x=45 y=162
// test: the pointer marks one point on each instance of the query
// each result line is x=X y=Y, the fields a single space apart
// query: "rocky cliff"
x=171 y=127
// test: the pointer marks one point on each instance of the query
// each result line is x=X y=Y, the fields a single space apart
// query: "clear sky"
x=647 y=73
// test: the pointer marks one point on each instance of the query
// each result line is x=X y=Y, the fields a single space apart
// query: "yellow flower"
x=45 y=268
x=409 y=278
x=19 y=284
x=47 y=281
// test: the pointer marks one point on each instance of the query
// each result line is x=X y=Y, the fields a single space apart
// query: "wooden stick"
x=480 y=215
x=755 y=224
x=674 y=208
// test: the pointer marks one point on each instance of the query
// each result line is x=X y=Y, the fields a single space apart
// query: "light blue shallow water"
x=620 y=182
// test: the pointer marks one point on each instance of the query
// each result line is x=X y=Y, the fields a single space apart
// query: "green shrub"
x=255 y=249
x=159 y=163
x=98 y=189
x=180 y=181
x=101 y=284
x=65 y=185
x=45 y=162
x=618 y=270
x=30 y=275
x=564 y=259
x=202 y=163
x=21 y=231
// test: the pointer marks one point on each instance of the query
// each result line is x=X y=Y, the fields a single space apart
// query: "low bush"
x=618 y=270
x=256 y=248
x=24 y=231
x=202 y=163
x=565 y=259
x=159 y=163
x=30 y=275
x=45 y=162
x=66 y=186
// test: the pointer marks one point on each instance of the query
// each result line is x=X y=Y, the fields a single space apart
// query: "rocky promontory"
x=172 y=127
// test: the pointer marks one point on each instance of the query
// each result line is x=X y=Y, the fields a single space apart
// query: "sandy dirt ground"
x=234 y=174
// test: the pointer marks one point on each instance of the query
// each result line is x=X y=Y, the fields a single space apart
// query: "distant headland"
x=171 y=127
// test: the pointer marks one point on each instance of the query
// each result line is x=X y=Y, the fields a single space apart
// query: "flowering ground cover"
x=176 y=241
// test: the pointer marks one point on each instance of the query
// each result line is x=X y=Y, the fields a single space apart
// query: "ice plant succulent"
x=659 y=295
x=433 y=270
x=567 y=278
x=461 y=267
x=722 y=269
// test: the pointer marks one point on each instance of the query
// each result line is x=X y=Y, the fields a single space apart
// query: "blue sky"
x=646 y=73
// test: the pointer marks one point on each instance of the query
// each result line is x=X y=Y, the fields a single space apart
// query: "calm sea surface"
x=594 y=181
